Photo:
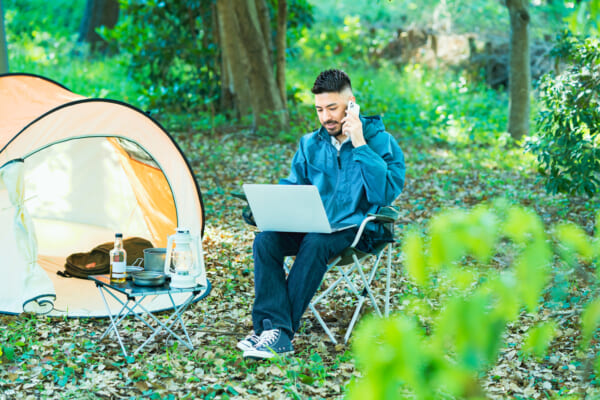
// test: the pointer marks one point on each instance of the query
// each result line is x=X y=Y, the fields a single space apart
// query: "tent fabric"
x=18 y=237
x=73 y=171
x=152 y=191
x=29 y=97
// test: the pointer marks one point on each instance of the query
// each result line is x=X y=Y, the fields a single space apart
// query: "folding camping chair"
x=350 y=266
x=352 y=261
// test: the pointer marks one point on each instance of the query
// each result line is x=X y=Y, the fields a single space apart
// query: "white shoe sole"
x=261 y=354
x=244 y=346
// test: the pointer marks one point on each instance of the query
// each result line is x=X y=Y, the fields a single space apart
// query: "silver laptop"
x=289 y=208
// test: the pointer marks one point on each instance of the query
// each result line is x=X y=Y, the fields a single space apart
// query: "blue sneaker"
x=248 y=342
x=271 y=342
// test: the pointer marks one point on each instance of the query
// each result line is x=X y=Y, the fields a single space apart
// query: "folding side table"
x=130 y=297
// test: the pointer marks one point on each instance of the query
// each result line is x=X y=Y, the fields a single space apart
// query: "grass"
x=39 y=361
x=458 y=155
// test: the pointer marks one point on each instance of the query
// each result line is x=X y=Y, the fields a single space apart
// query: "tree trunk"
x=247 y=68
x=226 y=101
x=98 y=13
x=262 y=10
x=3 y=46
x=520 y=69
x=234 y=85
x=281 y=48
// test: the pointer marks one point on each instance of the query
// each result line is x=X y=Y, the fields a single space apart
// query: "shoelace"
x=267 y=338
x=253 y=337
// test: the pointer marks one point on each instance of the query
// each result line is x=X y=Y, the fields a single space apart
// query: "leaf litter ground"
x=61 y=358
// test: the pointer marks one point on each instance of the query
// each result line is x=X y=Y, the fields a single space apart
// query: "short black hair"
x=331 y=81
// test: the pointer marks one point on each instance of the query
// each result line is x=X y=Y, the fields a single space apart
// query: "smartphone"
x=353 y=108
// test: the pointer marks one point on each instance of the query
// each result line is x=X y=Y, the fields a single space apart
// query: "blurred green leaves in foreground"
x=474 y=274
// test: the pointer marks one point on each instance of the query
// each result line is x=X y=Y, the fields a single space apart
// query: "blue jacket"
x=354 y=181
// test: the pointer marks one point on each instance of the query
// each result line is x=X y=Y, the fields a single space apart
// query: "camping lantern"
x=182 y=262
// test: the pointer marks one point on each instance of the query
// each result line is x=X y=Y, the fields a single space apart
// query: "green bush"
x=585 y=17
x=170 y=47
x=173 y=47
x=24 y=18
x=567 y=145
x=457 y=314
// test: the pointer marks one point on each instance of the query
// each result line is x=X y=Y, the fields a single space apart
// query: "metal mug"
x=154 y=259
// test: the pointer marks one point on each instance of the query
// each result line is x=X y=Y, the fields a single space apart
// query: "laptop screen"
x=287 y=208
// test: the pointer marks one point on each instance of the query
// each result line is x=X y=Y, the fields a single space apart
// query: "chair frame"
x=352 y=258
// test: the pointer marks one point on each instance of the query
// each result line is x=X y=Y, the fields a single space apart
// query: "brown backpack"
x=97 y=261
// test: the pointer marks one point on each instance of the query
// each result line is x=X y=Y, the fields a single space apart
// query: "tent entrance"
x=73 y=171
x=79 y=193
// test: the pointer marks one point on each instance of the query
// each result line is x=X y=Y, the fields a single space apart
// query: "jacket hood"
x=372 y=125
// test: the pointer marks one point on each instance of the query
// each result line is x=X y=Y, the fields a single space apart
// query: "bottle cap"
x=119 y=235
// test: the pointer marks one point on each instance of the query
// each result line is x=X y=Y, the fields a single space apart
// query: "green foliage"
x=26 y=17
x=590 y=319
x=585 y=19
x=574 y=242
x=174 y=45
x=42 y=40
x=350 y=41
x=452 y=345
x=538 y=339
x=300 y=16
x=421 y=103
x=458 y=16
x=567 y=144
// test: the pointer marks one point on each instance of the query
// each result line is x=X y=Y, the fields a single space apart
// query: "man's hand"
x=352 y=127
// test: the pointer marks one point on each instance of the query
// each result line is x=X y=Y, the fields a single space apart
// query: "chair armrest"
x=361 y=229
x=386 y=215
x=239 y=195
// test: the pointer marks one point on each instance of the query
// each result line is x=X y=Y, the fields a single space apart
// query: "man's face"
x=331 y=109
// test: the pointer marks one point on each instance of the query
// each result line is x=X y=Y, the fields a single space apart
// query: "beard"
x=334 y=133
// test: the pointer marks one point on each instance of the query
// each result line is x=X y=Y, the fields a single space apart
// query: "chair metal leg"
x=345 y=276
x=388 y=280
x=316 y=300
x=354 y=318
x=367 y=283
x=323 y=324
x=361 y=296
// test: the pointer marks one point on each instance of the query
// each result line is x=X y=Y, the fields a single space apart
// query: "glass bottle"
x=118 y=258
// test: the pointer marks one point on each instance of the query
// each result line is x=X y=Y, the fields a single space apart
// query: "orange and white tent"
x=73 y=171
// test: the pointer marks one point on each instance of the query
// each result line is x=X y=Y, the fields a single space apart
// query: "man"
x=357 y=167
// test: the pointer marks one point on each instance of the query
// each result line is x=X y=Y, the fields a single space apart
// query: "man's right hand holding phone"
x=352 y=125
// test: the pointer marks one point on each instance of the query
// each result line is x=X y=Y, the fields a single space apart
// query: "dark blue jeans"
x=282 y=300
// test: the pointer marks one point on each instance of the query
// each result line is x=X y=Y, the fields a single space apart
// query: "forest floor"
x=60 y=358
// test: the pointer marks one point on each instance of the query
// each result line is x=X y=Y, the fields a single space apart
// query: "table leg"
x=167 y=325
x=146 y=316
x=113 y=325
x=180 y=314
x=130 y=310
